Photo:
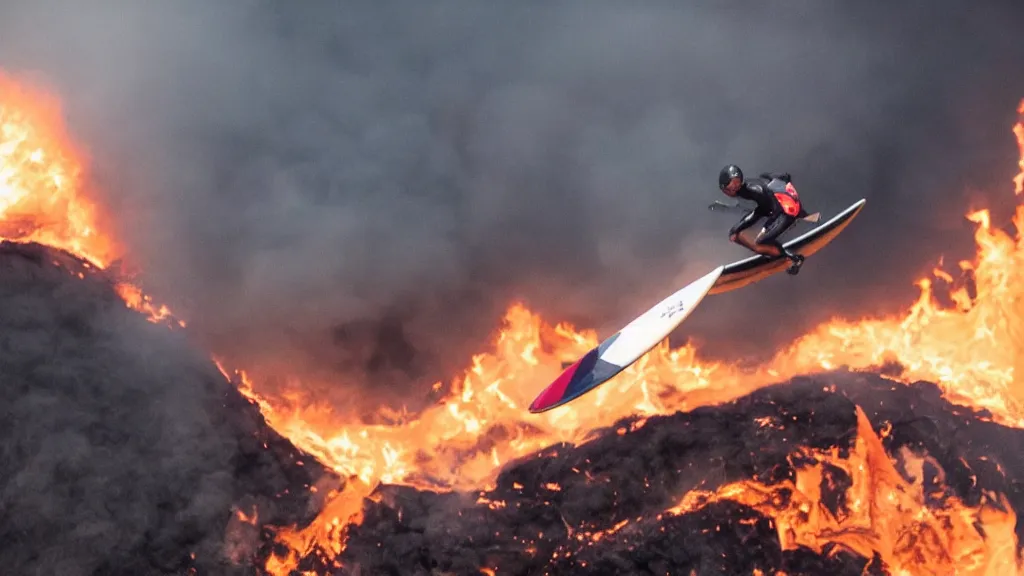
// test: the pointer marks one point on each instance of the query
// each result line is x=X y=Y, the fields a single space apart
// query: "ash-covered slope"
x=547 y=513
x=124 y=450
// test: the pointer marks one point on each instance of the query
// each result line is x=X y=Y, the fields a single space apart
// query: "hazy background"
x=359 y=189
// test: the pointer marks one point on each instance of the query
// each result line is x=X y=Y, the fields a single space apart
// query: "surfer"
x=776 y=201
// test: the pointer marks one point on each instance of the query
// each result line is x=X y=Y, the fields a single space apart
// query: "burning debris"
x=124 y=450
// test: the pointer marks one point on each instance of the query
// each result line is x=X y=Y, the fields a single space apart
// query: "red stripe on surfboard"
x=556 y=390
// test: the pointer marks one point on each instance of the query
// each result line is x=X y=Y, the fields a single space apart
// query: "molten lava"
x=881 y=512
x=972 y=350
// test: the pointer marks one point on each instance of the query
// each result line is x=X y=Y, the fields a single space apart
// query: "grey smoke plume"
x=359 y=189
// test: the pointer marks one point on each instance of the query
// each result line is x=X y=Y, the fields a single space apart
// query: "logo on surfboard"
x=673 y=309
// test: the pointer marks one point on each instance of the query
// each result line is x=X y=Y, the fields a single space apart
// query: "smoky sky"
x=359 y=189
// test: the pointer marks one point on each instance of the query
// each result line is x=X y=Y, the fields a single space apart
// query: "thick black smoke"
x=123 y=450
x=360 y=188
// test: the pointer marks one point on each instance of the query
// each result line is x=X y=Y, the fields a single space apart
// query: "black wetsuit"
x=763 y=191
x=768 y=192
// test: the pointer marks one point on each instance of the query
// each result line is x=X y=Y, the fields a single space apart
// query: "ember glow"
x=1018 y=130
x=882 y=512
x=972 y=350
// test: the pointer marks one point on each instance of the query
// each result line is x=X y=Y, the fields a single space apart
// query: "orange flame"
x=41 y=179
x=42 y=188
x=972 y=350
x=1018 y=130
x=884 y=513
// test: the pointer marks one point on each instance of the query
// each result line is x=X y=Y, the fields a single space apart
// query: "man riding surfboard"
x=776 y=201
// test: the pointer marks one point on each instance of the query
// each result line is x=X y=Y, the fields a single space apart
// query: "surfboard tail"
x=756 y=268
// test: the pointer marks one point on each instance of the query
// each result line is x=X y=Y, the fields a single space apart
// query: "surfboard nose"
x=620 y=350
x=555 y=392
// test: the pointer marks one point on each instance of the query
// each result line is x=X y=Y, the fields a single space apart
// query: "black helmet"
x=727 y=174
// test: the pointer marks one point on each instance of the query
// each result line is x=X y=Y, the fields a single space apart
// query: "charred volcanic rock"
x=125 y=451
x=599 y=508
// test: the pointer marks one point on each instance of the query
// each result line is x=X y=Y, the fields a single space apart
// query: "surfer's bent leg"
x=746 y=222
x=769 y=236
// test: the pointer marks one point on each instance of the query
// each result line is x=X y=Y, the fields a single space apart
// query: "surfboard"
x=758 y=267
x=620 y=350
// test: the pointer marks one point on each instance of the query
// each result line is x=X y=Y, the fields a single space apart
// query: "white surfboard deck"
x=620 y=350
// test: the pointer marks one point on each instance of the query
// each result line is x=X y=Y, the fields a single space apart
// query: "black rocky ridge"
x=635 y=473
x=126 y=452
